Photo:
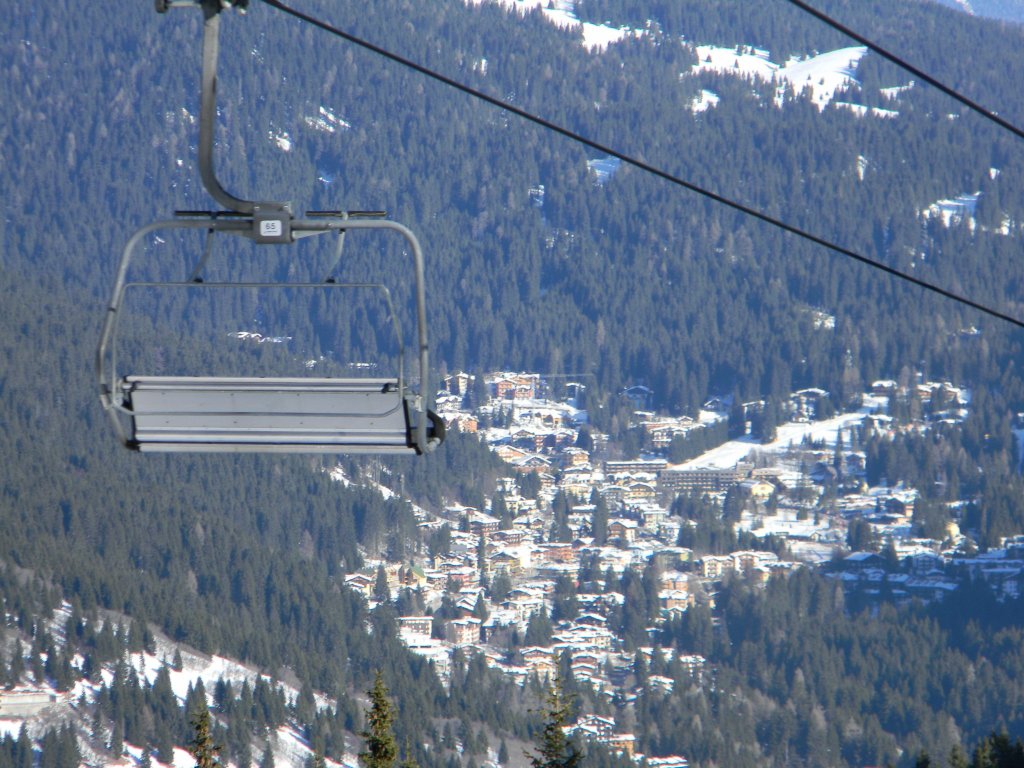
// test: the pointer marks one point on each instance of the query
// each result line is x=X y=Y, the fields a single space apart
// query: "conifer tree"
x=538 y=628
x=203 y=748
x=555 y=749
x=381 y=749
x=17 y=665
x=599 y=520
x=501 y=585
x=500 y=510
x=117 y=739
x=409 y=761
x=381 y=592
x=23 y=755
x=480 y=609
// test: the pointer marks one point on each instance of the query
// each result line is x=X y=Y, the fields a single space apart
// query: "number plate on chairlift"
x=272 y=226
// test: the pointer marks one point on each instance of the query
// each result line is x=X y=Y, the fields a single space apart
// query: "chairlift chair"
x=234 y=414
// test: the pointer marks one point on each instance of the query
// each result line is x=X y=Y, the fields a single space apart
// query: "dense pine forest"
x=626 y=280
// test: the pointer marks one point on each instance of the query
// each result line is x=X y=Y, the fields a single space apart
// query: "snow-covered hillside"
x=821 y=75
x=562 y=13
x=185 y=669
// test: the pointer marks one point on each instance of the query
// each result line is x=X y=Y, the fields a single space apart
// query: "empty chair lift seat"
x=223 y=414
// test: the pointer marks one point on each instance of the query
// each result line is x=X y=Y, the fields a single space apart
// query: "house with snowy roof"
x=624 y=743
x=623 y=529
x=602 y=727
x=539 y=660
x=463 y=631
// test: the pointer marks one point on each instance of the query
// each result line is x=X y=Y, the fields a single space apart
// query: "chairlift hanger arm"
x=208 y=112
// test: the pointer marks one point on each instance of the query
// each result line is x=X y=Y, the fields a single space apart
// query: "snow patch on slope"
x=954 y=210
x=704 y=101
x=822 y=75
x=728 y=454
x=742 y=61
x=861 y=111
x=604 y=168
x=862 y=166
x=562 y=13
x=281 y=139
x=326 y=121
x=896 y=91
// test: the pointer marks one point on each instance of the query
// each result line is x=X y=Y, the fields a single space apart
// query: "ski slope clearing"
x=728 y=454
x=562 y=13
x=821 y=76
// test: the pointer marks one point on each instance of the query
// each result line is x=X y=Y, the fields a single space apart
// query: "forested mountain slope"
x=569 y=285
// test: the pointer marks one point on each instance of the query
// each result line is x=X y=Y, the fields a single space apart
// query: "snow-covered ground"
x=861 y=111
x=862 y=165
x=785 y=523
x=704 y=101
x=281 y=139
x=10 y=727
x=562 y=13
x=961 y=210
x=824 y=74
x=954 y=210
x=327 y=121
x=337 y=474
x=290 y=748
x=896 y=91
x=748 y=61
x=604 y=168
x=812 y=551
x=728 y=454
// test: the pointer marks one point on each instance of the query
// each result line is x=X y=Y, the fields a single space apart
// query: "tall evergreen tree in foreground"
x=555 y=749
x=203 y=747
x=381 y=749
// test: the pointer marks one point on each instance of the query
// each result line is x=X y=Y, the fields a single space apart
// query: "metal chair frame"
x=119 y=398
x=262 y=414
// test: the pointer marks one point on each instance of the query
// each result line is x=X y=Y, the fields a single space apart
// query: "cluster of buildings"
x=926 y=575
x=501 y=574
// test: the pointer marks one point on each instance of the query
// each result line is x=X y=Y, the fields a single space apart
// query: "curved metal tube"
x=208 y=113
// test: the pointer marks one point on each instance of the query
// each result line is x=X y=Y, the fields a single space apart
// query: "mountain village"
x=533 y=581
x=577 y=515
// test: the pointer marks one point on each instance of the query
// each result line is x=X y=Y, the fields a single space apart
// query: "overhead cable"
x=654 y=170
x=904 y=64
